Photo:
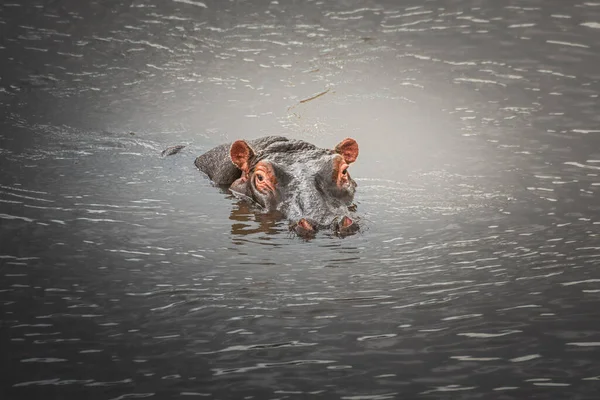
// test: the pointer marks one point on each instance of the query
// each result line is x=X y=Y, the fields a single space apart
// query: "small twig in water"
x=316 y=96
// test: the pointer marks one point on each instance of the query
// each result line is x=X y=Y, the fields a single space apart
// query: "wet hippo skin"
x=311 y=186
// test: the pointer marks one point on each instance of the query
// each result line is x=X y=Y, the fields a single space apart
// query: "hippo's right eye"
x=264 y=179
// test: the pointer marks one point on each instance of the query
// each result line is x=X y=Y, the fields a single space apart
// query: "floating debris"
x=316 y=96
x=169 y=151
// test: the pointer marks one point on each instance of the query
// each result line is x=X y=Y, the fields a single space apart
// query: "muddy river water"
x=475 y=274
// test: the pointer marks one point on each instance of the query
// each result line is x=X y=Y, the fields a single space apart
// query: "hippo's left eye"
x=260 y=177
x=345 y=171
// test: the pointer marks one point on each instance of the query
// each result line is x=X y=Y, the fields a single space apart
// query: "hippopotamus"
x=310 y=186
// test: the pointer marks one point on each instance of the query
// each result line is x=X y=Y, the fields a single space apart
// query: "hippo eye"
x=345 y=171
x=260 y=177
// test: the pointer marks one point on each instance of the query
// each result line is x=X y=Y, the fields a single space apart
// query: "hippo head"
x=309 y=185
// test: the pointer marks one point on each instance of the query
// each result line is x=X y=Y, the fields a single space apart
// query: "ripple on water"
x=263 y=346
x=219 y=371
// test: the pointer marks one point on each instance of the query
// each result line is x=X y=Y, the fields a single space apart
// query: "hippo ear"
x=348 y=148
x=240 y=154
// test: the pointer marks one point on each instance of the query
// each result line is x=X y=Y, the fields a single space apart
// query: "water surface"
x=128 y=275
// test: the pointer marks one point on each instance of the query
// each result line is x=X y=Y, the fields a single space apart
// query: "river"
x=475 y=274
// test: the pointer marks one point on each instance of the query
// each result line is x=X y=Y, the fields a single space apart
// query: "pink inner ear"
x=348 y=148
x=241 y=154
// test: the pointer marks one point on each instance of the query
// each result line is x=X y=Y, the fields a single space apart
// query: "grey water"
x=125 y=274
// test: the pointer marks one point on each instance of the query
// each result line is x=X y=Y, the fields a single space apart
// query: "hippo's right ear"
x=240 y=154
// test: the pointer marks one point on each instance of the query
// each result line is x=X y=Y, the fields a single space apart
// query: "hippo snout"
x=343 y=226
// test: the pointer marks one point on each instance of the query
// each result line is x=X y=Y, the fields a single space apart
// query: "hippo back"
x=217 y=164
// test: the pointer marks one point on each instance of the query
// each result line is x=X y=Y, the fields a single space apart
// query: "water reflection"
x=249 y=220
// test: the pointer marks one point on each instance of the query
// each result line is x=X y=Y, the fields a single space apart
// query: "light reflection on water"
x=128 y=275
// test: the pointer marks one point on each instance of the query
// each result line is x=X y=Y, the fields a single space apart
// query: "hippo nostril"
x=304 y=228
x=346 y=222
x=345 y=226
x=304 y=224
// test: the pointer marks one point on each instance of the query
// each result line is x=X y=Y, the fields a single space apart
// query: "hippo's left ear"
x=241 y=153
x=348 y=148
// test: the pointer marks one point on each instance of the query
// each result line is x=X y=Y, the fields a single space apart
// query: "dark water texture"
x=125 y=274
